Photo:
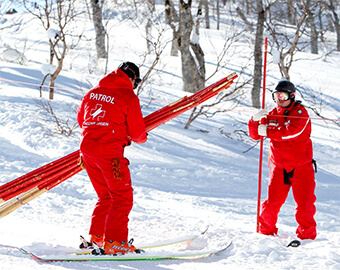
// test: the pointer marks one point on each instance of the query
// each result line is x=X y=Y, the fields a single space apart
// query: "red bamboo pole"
x=185 y=100
x=45 y=178
x=186 y=104
x=38 y=173
x=261 y=143
x=24 y=187
x=36 y=191
x=54 y=182
x=174 y=113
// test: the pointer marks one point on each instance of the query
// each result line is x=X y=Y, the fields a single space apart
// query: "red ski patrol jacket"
x=289 y=130
x=111 y=117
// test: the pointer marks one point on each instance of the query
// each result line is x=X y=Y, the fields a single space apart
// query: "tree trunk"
x=99 y=28
x=244 y=19
x=151 y=10
x=51 y=90
x=337 y=27
x=201 y=65
x=314 y=39
x=171 y=18
x=60 y=59
x=206 y=15
x=193 y=67
x=174 y=45
x=256 y=91
x=218 y=14
x=313 y=33
x=197 y=49
x=192 y=79
x=336 y=22
x=290 y=17
x=148 y=36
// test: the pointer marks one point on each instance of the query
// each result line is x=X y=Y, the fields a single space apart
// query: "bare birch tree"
x=151 y=6
x=97 y=18
x=172 y=20
x=255 y=92
x=193 y=66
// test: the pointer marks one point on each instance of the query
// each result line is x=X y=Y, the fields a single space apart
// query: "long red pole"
x=261 y=144
x=39 y=173
x=45 y=178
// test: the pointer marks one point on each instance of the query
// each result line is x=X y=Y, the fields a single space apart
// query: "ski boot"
x=120 y=248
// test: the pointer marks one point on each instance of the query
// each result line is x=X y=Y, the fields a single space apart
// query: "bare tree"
x=172 y=20
x=285 y=42
x=255 y=92
x=64 y=127
x=61 y=14
x=193 y=66
x=312 y=11
x=206 y=110
x=218 y=14
x=151 y=7
x=158 y=47
x=235 y=92
x=244 y=19
x=206 y=13
x=333 y=7
x=97 y=18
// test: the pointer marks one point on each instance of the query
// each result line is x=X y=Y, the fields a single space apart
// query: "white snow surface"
x=184 y=179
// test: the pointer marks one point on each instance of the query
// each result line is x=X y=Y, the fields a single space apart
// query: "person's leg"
x=303 y=185
x=117 y=176
x=270 y=208
x=102 y=206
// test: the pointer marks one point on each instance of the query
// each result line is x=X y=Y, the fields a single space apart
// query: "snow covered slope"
x=184 y=180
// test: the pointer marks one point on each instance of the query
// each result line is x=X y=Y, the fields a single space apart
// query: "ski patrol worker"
x=110 y=117
x=288 y=127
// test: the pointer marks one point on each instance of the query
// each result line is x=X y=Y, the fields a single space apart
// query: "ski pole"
x=261 y=144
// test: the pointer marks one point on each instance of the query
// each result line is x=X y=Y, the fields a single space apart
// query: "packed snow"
x=185 y=180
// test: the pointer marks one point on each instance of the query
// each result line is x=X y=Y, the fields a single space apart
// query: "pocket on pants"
x=121 y=169
x=116 y=169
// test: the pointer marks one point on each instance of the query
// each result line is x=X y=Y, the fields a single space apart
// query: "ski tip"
x=35 y=257
x=23 y=251
x=228 y=247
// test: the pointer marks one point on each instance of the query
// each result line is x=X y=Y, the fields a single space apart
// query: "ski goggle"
x=282 y=96
x=137 y=82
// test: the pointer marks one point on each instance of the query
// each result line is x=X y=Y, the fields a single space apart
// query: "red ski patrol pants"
x=111 y=180
x=302 y=181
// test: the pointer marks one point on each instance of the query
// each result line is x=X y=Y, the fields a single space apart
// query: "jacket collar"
x=116 y=79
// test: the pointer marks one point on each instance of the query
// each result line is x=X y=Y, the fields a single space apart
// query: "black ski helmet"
x=132 y=71
x=285 y=86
